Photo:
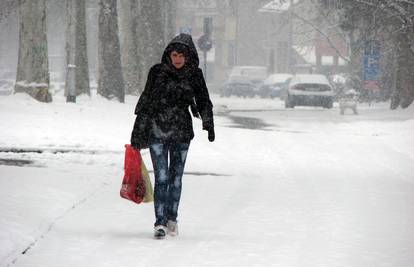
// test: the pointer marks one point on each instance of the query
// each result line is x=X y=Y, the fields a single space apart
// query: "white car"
x=309 y=90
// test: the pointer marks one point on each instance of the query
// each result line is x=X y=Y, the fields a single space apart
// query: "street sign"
x=208 y=26
x=204 y=43
x=371 y=67
x=371 y=64
x=372 y=48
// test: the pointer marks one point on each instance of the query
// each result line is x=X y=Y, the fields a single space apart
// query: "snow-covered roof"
x=277 y=6
x=308 y=53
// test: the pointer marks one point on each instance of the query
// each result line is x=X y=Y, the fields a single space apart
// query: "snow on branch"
x=323 y=34
x=397 y=8
x=25 y=84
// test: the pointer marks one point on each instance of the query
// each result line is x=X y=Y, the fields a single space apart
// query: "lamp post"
x=204 y=42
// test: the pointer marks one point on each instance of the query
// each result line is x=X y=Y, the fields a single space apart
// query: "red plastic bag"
x=133 y=184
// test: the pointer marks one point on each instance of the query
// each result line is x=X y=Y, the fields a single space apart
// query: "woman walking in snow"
x=164 y=124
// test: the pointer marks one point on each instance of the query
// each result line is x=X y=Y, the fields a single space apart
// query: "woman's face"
x=177 y=59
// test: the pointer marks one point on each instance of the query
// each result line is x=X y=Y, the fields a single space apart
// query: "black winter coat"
x=163 y=109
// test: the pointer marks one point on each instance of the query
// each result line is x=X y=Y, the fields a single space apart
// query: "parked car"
x=309 y=90
x=220 y=110
x=244 y=81
x=6 y=86
x=273 y=85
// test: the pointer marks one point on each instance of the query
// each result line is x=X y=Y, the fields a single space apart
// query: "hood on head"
x=192 y=60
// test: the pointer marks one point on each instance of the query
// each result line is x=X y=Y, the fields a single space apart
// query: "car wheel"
x=329 y=104
x=289 y=103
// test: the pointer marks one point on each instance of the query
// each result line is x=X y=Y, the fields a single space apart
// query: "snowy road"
x=308 y=188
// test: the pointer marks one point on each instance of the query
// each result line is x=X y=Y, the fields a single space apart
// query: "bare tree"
x=32 y=68
x=146 y=27
x=403 y=94
x=131 y=59
x=391 y=22
x=70 y=85
x=110 y=81
x=152 y=34
x=77 y=76
x=169 y=17
x=81 y=59
x=7 y=7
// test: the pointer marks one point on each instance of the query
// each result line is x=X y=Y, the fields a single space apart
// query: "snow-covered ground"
x=301 y=187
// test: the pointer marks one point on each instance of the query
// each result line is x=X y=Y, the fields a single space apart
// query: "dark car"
x=244 y=81
x=238 y=86
x=273 y=85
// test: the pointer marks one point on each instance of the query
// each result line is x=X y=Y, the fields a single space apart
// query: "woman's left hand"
x=211 y=135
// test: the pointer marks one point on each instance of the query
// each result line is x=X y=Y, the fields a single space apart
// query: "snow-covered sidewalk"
x=310 y=189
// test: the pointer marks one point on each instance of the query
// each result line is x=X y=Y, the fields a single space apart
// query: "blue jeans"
x=168 y=176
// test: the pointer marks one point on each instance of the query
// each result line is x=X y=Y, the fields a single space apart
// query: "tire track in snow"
x=44 y=234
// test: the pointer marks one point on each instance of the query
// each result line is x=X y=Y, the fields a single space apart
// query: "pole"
x=290 y=40
x=236 y=41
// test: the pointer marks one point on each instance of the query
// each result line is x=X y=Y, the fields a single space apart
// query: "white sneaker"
x=172 y=228
x=160 y=231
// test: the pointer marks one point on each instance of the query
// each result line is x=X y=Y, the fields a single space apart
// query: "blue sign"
x=372 y=48
x=371 y=67
x=371 y=63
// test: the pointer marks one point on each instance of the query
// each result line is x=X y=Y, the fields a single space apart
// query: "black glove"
x=135 y=145
x=211 y=135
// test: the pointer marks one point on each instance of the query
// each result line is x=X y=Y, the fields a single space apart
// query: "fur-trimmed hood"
x=192 y=61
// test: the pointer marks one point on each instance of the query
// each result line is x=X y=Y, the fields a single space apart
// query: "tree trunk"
x=152 y=32
x=110 y=81
x=130 y=47
x=81 y=58
x=70 y=84
x=32 y=68
x=403 y=95
x=169 y=15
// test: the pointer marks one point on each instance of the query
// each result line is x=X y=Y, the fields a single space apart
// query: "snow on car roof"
x=240 y=79
x=277 y=78
x=253 y=72
x=310 y=78
x=249 y=67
